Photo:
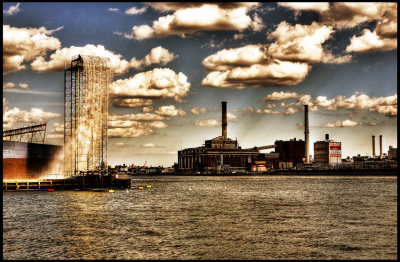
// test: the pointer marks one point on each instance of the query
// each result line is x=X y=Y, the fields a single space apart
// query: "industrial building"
x=292 y=151
x=220 y=154
x=328 y=151
x=25 y=156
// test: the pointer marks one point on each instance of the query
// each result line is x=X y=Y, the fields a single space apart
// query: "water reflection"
x=208 y=218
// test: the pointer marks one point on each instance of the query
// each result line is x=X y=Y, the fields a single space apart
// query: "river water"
x=208 y=217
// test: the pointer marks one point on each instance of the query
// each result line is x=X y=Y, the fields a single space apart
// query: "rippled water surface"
x=208 y=217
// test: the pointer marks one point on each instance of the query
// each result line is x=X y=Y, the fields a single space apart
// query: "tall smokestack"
x=224 y=121
x=380 y=146
x=373 y=147
x=306 y=133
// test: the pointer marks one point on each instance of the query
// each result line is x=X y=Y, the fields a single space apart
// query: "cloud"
x=383 y=105
x=120 y=144
x=64 y=55
x=8 y=85
x=302 y=43
x=119 y=120
x=34 y=116
x=189 y=18
x=146 y=109
x=151 y=145
x=285 y=61
x=25 y=44
x=276 y=73
x=348 y=15
x=157 y=55
x=157 y=83
x=276 y=96
x=207 y=123
x=135 y=11
x=57 y=132
x=198 y=110
x=170 y=110
x=346 y=123
x=113 y=9
x=131 y=102
x=371 y=42
x=315 y=6
x=11 y=85
x=137 y=129
x=12 y=10
x=251 y=110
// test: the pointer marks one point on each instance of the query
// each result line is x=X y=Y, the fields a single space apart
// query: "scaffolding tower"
x=86 y=83
x=34 y=133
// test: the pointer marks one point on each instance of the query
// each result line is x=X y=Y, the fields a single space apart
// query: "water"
x=209 y=217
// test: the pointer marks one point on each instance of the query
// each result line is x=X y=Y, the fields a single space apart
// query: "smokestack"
x=373 y=147
x=380 y=146
x=306 y=133
x=326 y=136
x=224 y=121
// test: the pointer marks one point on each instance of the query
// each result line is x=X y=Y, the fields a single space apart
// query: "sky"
x=173 y=64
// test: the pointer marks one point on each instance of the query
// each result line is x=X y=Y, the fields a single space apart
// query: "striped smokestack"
x=380 y=146
x=306 y=133
x=373 y=147
x=224 y=121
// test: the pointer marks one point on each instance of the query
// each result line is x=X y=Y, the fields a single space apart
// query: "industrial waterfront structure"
x=86 y=84
x=328 y=151
x=220 y=154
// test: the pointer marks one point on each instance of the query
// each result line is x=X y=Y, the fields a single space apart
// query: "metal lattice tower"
x=86 y=83
x=26 y=133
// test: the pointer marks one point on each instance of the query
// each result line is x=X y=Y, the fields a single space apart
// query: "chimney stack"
x=306 y=133
x=380 y=146
x=224 y=121
x=373 y=147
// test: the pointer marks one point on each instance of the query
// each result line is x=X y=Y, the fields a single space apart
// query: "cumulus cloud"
x=207 y=123
x=157 y=55
x=198 y=110
x=14 y=115
x=135 y=11
x=346 y=123
x=276 y=96
x=131 y=102
x=157 y=83
x=130 y=126
x=12 y=10
x=303 y=43
x=370 y=42
x=146 y=109
x=285 y=61
x=189 y=18
x=276 y=73
x=151 y=145
x=64 y=55
x=384 y=105
x=170 y=110
x=25 y=44
x=348 y=15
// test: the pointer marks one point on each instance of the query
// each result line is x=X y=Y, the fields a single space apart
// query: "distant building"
x=291 y=151
x=328 y=151
x=220 y=154
x=392 y=153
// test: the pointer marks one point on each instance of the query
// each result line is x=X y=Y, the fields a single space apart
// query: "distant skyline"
x=174 y=63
